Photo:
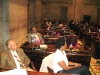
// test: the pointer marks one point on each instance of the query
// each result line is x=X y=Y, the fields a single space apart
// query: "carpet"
x=95 y=66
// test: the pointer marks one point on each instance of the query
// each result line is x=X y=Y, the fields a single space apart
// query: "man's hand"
x=24 y=67
x=77 y=64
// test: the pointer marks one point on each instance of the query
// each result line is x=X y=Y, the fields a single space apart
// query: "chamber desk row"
x=91 y=42
x=35 y=73
x=37 y=56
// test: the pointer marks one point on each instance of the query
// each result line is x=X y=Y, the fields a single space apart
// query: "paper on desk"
x=14 y=72
x=43 y=46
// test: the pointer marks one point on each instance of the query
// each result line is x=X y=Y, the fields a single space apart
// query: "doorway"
x=87 y=18
x=63 y=13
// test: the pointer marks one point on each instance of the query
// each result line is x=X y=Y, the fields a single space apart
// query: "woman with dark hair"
x=61 y=63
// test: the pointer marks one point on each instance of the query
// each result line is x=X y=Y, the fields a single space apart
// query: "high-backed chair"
x=42 y=31
x=71 y=39
x=32 y=66
x=51 y=48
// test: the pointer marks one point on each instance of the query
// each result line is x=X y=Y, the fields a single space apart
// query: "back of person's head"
x=31 y=28
x=60 y=42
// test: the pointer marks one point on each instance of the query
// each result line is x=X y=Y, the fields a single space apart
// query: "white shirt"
x=47 y=61
x=59 y=56
x=16 y=62
x=36 y=38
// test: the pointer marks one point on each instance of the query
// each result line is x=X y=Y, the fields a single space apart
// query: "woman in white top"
x=61 y=63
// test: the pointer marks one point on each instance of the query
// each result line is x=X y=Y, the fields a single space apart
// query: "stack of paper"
x=14 y=72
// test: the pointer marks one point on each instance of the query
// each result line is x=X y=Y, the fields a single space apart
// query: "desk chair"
x=50 y=70
x=71 y=39
x=32 y=66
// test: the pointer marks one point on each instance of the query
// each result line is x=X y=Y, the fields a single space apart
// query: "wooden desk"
x=79 y=57
x=95 y=47
x=87 y=39
x=35 y=73
x=41 y=73
x=50 y=38
x=37 y=56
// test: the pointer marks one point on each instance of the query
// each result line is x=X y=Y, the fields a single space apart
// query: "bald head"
x=11 y=44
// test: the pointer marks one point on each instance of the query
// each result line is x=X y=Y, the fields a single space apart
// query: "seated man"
x=35 y=37
x=14 y=58
x=47 y=25
x=61 y=63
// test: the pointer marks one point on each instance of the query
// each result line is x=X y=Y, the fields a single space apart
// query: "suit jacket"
x=7 y=60
x=39 y=36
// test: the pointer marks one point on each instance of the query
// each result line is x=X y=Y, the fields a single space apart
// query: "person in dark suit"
x=35 y=36
x=8 y=59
